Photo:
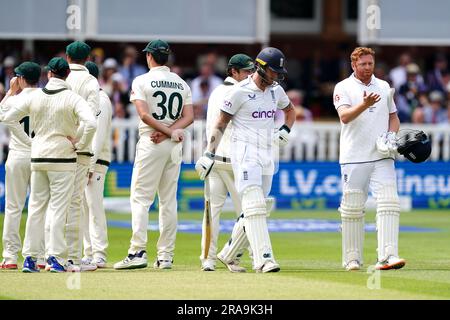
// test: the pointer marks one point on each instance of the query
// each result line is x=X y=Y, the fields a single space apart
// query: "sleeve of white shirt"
x=102 y=131
x=93 y=98
x=84 y=113
x=188 y=95
x=282 y=99
x=11 y=118
x=391 y=101
x=137 y=90
x=231 y=102
x=340 y=96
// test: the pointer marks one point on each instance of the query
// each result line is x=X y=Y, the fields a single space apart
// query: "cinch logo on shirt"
x=263 y=114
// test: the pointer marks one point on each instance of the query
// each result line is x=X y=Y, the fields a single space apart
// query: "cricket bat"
x=207 y=220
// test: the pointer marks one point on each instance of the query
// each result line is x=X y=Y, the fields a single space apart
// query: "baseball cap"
x=157 y=46
x=92 y=67
x=78 y=50
x=58 y=66
x=29 y=70
x=241 y=61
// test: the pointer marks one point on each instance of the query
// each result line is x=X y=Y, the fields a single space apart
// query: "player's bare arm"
x=289 y=115
x=394 y=122
x=143 y=111
x=349 y=113
x=218 y=130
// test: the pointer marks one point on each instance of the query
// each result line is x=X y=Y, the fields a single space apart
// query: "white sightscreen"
x=404 y=22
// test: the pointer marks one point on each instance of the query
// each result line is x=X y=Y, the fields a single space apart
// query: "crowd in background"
x=422 y=94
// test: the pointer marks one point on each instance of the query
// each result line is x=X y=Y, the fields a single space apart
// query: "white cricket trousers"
x=379 y=177
x=156 y=169
x=17 y=179
x=49 y=201
x=95 y=231
x=74 y=234
x=221 y=182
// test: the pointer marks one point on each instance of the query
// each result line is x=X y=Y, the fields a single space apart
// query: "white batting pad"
x=352 y=216
x=258 y=236
x=237 y=243
x=270 y=201
x=388 y=222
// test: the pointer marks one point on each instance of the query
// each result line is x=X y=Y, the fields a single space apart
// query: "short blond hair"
x=361 y=51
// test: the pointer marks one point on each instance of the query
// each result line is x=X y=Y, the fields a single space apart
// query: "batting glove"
x=391 y=139
x=387 y=144
x=281 y=137
x=204 y=165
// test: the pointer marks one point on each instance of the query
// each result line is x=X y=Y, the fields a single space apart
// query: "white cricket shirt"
x=358 y=137
x=214 y=103
x=253 y=111
x=165 y=93
x=20 y=141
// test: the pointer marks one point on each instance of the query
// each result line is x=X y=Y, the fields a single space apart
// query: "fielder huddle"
x=60 y=147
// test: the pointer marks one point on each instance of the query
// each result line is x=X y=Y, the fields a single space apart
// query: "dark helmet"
x=273 y=59
x=414 y=145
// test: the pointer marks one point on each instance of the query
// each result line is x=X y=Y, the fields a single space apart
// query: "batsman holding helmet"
x=252 y=104
x=164 y=103
x=369 y=124
x=221 y=178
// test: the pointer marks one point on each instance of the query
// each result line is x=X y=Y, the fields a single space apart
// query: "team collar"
x=160 y=68
x=372 y=80
x=77 y=67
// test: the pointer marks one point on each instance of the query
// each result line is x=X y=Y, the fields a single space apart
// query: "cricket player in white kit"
x=94 y=226
x=17 y=166
x=252 y=104
x=369 y=123
x=84 y=84
x=55 y=113
x=221 y=178
x=164 y=103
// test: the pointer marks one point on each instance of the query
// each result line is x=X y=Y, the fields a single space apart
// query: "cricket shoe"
x=72 y=267
x=163 y=264
x=208 y=265
x=30 y=265
x=55 y=266
x=133 y=261
x=233 y=266
x=88 y=265
x=390 y=263
x=269 y=266
x=8 y=266
x=100 y=262
x=353 y=265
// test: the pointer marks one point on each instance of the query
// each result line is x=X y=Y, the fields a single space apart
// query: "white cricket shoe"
x=133 y=261
x=71 y=267
x=208 y=265
x=353 y=265
x=162 y=264
x=88 y=265
x=269 y=266
x=233 y=266
x=100 y=262
x=390 y=263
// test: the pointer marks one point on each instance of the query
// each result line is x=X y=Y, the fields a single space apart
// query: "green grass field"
x=310 y=263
